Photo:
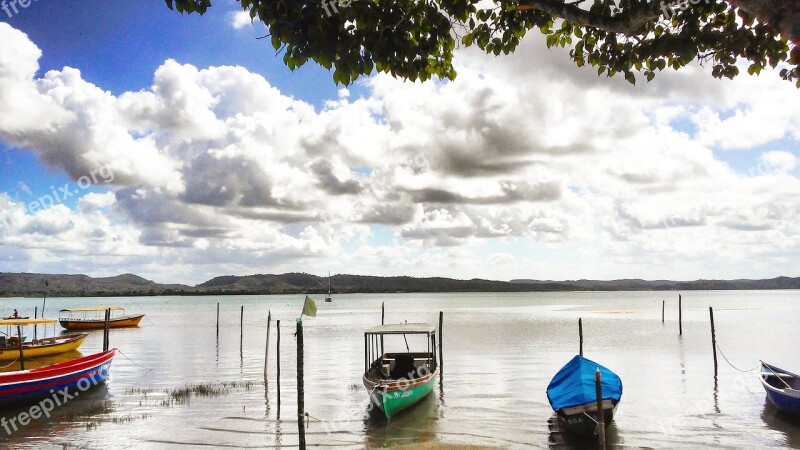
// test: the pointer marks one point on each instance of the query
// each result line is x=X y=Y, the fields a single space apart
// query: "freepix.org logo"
x=12 y=7
x=57 y=398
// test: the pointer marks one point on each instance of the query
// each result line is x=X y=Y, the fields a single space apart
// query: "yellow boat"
x=9 y=345
x=76 y=318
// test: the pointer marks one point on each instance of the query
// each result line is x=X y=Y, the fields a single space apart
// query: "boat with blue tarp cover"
x=573 y=397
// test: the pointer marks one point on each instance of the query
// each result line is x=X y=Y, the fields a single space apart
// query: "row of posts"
x=598 y=377
x=301 y=415
x=300 y=390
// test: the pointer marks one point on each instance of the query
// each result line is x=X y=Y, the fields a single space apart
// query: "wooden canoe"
x=99 y=324
x=396 y=381
x=573 y=397
x=77 y=374
x=783 y=388
x=42 y=347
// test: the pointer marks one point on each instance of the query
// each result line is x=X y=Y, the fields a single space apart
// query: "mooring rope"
x=134 y=362
x=9 y=365
x=729 y=363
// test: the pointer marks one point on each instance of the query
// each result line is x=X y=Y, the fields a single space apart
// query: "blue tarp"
x=573 y=385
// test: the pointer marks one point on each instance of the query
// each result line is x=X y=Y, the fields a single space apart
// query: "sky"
x=179 y=148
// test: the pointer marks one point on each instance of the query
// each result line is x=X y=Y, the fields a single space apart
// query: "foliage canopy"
x=415 y=39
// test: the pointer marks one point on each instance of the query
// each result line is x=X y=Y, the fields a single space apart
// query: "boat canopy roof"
x=10 y=322
x=573 y=385
x=95 y=308
x=403 y=328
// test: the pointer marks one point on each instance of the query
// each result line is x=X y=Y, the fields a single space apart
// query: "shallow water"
x=500 y=351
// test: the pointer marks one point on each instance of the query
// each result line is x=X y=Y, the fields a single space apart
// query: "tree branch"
x=628 y=23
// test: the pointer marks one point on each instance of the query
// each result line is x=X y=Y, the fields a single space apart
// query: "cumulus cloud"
x=217 y=169
x=240 y=19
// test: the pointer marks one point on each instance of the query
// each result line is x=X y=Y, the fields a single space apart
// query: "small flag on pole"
x=309 y=308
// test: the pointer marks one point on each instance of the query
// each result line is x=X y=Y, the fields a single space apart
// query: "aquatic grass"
x=179 y=396
x=95 y=409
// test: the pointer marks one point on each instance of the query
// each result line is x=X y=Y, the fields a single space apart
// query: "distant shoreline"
x=29 y=285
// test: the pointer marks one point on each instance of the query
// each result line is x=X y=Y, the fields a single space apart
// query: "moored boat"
x=91 y=319
x=783 y=388
x=30 y=385
x=9 y=345
x=395 y=381
x=328 y=297
x=572 y=395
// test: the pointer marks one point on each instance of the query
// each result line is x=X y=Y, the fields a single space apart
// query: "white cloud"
x=217 y=170
x=240 y=19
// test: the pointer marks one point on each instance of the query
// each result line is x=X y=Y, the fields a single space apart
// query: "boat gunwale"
x=787 y=391
x=395 y=385
x=57 y=369
x=113 y=319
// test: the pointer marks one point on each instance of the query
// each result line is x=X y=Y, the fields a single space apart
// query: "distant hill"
x=293 y=283
x=665 y=285
x=36 y=285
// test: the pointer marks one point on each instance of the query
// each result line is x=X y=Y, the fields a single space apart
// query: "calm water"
x=500 y=351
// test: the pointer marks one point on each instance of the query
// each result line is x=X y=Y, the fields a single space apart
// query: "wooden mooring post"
x=680 y=315
x=21 y=357
x=580 y=334
x=36 y=326
x=301 y=412
x=266 y=347
x=278 y=362
x=663 y=305
x=601 y=420
x=713 y=339
x=218 y=319
x=441 y=345
x=106 y=329
x=241 y=327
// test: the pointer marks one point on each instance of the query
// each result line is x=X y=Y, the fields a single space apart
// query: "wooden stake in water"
x=278 y=362
x=301 y=410
x=21 y=358
x=35 y=316
x=383 y=313
x=713 y=339
x=441 y=352
x=680 y=315
x=241 y=327
x=106 y=327
x=266 y=347
x=580 y=334
x=218 y=319
x=663 y=305
x=601 y=419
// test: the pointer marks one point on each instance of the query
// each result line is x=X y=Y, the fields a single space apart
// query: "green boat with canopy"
x=398 y=380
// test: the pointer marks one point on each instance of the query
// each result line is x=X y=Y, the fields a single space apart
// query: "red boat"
x=78 y=374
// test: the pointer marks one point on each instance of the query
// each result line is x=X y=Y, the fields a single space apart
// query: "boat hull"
x=392 y=397
x=581 y=423
x=75 y=375
x=44 y=347
x=785 y=397
x=120 y=322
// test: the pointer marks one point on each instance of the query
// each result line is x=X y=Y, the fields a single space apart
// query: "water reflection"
x=785 y=423
x=499 y=361
x=416 y=424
